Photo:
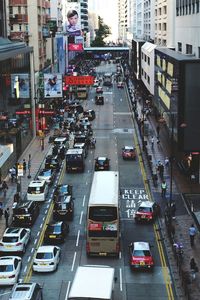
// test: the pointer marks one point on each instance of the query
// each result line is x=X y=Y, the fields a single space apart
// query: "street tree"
x=102 y=32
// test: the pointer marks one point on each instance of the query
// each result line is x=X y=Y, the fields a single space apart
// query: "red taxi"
x=140 y=256
x=129 y=152
x=147 y=211
x=99 y=90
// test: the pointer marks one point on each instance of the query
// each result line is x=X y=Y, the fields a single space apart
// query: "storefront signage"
x=79 y=80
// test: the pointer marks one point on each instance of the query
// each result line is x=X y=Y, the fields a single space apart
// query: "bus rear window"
x=103 y=213
x=36 y=190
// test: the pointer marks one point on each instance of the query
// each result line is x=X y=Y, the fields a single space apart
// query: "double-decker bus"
x=107 y=79
x=103 y=215
x=82 y=92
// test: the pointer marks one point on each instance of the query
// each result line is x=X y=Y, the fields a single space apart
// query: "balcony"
x=19 y=19
x=41 y=3
x=17 y=2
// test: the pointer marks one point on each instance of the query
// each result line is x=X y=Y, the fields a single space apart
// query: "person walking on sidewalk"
x=158 y=131
x=24 y=166
x=1 y=209
x=4 y=188
x=160 y=169
x=193 y=267
x=192 y=233
x=163 y=188
x=6 y=215
x=152 y=142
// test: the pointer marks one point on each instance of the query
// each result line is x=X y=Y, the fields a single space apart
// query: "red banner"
x=79 y=80
x=75 y=47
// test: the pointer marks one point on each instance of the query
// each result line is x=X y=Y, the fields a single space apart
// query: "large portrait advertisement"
x=52 y=85
x=73 y=24
x=20 y=87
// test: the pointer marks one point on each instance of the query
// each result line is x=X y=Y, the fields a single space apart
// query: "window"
x=179 y=47
x=19 y=9
x=197 y=6
x=188 y=49
x=20 y=27
x=11 y=27
x=148 y=79
x=149 y=61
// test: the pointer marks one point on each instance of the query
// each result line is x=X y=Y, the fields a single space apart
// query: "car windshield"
x=45 y=173
x=144 y=209
x=101 y=161
x=10 y=239
x=128 y=150
x=141 y=253
x=44 y=255
x=6 y=268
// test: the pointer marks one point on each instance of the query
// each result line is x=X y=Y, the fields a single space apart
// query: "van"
x=25 y=213
x=37 y=190
x=26 y=291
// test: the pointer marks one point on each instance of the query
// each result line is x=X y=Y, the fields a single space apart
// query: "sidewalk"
x=37 y=157
x=181 y=188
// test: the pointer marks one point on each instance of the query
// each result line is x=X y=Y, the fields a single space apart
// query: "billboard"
x=73 y=24
x=20 y=87
x=79 y=80
x=52 y=85
x=60 y=41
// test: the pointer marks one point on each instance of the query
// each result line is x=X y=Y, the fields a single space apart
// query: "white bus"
x=103 y=215
x=92 y=282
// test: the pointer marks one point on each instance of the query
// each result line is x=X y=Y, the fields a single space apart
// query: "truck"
x=94 y=282
x=75 y=160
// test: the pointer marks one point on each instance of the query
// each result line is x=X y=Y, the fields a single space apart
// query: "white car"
x=47 y=259
x=15 y=240
x=10 y=267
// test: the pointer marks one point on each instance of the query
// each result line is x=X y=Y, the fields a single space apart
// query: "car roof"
x=129 y=147
x=36 y=183
x=102 y=158
x=4 y=260
x=64 y=199
x=12 y=231
x=60 y=139
x=53 y=223
x=146 y=204
x=22 y=290
x=45 y=248
x=141 y=246
x=79 y=144
x=74 y=151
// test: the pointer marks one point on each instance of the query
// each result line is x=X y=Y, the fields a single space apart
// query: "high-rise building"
x=187 y=28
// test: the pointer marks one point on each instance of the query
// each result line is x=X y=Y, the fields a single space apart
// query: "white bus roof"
x=105 y=188
x=92 y=282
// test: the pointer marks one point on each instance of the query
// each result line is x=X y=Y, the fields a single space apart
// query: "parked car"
x=64 y=208
x=48 y=175
x=62 y=190
x=56 y=232
x=46 y=259
x=26 y=291
x=10 y=267
x=140 y=256
x=102 y=163
x=129 y=152
x=15 y=240
x=25 y=213
x=147 y=211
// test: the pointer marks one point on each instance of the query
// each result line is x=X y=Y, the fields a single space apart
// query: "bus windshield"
x=103 y=214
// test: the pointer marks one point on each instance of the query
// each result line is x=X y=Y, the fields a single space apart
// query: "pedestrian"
x=173 y=210
x=1 y=209
x=6 y=215
x=158 y=131
x=163 y=188
x=16 y=198
x=152 y=142
x=4 y=188
x=166 y=162
x=161 y=170
x=158 y=141
x=192 y=233
x=24 y=166
x=13 y=174
x=193 y=267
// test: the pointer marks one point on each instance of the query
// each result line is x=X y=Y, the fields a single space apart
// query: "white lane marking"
x=120 y=279
x=83 y=203
x=25 y=269
x=49 y=200
x=88 y=171
x=32 y=250
x=38 y=233
x=48 y=206
x=77 y=240
x=43 y=218
x=41 y=225
x=81 y=216
x=120 y=255
x=72 y=268
x=35 y=241
x=46 y=211
x=68 y=287
x=86 y=183
x=121 y=99
x=29 y=258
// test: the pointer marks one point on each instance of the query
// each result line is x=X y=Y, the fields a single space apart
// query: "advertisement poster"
x=61 y=54
x=73 y=24
x=20 y=86
x=52 y=85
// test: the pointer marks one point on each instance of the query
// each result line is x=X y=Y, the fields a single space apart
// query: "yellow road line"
x=40 y=241
x=165 y=272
